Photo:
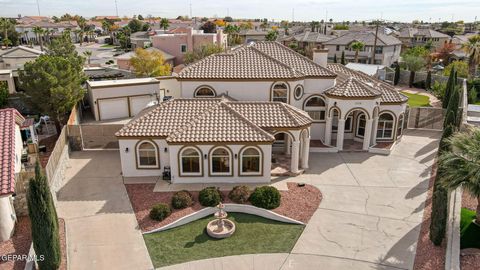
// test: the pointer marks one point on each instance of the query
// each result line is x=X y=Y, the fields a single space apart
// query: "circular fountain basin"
x=215 y=231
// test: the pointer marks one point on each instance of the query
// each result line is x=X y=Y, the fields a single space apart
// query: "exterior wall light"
x=126 y=149
x=165 y=150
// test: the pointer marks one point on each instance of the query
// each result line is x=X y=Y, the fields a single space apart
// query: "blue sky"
x=305 y=10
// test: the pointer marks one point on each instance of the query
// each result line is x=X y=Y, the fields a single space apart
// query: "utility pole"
x=38 y=8
x=191 y=9
x=293 y=14
x=116 y=7
x=372 y=61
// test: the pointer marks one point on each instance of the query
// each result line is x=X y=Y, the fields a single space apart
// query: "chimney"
x=320 y=56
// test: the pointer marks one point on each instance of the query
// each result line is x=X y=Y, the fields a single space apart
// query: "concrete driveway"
x=369 y=218
x=102 y=232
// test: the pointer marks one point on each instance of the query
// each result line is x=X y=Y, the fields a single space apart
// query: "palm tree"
x=5 y=25
x=88 y=54
x=357 y=46
x=472 y=48
x=38 y=33
x=26 y=36
x=460 y=167
x=164 y=23
x=232 y=31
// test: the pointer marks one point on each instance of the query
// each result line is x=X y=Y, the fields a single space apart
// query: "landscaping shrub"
x=182 y=199
x=209 y=196
x=160 y=211
x=239 y=194
x=438 y=221
x=469 y=232
x=267 y=197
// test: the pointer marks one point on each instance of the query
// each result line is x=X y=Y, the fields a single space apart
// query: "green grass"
x=416 y=100
x=107 y=46
x=469 y=232
x=190 y=242
x=477 y=103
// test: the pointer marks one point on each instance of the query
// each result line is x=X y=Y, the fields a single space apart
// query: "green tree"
x=149 y=63
x=233 y=34
x=342 y=58
x=449 y=88
x=5 y=25
x=335 y=58
x=397 y=74
x=472 y=95
x=53 y=81
x=461 y=67
x=271 y=35
x=428 y=80
x=44 y=221
x=228 y=19
x=357 y=46
x=453 y=116
x=135 y=25
x=3 y=94
x=202 y=52
x=140 y=17
x=164 y=24
x=88 y=55
x=209 y=27
x=460 y=166
x=472 y=48
x=414 y=64
x=39 y=34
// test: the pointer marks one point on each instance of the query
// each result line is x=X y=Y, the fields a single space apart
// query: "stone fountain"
x=221 y=227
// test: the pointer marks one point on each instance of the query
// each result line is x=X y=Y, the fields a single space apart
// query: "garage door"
x=113 y=108
x=138 y=103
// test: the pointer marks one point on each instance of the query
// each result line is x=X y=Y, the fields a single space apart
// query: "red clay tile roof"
x=8 y=119
x=214 y=120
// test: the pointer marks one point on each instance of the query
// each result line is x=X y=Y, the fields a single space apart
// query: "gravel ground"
x=428 y=255
x=20 y=244
x=469 y=258
x=298 y=203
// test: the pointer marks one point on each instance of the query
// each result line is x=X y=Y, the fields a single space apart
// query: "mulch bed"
x=428 y=255
x=469 y=260
x=299 y=203
x=49 y=142
x=20 y=243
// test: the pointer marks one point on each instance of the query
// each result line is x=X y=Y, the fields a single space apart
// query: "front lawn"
x=190 y=242
x=107 y=46
x=417 y=100
x=469 y=232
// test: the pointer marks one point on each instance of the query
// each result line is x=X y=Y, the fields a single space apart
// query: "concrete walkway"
x=370 y=215
x=102 y=231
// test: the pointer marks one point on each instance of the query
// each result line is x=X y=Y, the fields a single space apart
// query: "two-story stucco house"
x=264 y=98
x=387 y=49
x=13 y=59
x=412 y=37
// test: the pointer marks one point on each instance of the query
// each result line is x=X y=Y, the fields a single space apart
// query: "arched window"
x=147 y=155
x=315 y=107
x=361 y=123
x=385 y=126
x=190 y=162
x=250 y=162
x=400 y=125
x=205 y=92
x=298 y=92
x=280 y=92
x=220 y=162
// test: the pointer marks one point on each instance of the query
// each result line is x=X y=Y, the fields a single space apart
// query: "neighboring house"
x=11 y=147
x=140 y=39
x=178 y=44
x=412 y=37
x=307 y=41
x=27 y=35
x=13 y=59
x=387 y=50
x=344 y=107
x=123 y=60
x=251 y=35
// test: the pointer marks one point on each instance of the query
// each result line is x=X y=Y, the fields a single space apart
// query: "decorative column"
x=340 y=133
x=368 y=134
x=295 y=157
x=328 y=131
x=306 y=153
x=374 y=130
x=288 y=143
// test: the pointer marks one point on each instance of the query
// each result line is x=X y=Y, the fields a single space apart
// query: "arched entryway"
x=287 y=150
x=353 y=130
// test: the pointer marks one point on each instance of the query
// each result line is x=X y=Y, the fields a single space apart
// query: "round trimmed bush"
x=182 y=199
x=160 y=211
x=239 y=194
x=267 y=197
x=209 y=196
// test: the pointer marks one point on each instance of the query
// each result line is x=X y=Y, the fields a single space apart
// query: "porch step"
x=288 y=173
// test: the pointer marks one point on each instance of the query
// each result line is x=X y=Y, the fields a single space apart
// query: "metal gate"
x=425 y=118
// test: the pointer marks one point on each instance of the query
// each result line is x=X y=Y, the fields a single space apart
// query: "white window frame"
x=400 y=125
x=230 y=163
x=182 y=172
x=312 y=110
x=273 y=98
x=358 y=125
x=155 y=149
x=295 y=92
x=383 y=122
x=260 y=162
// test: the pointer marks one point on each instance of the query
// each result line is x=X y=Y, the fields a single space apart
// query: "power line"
x=38 y=8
